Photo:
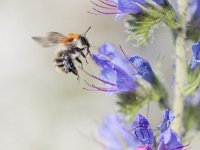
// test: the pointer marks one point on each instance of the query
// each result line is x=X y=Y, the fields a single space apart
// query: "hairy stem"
x=178 y=104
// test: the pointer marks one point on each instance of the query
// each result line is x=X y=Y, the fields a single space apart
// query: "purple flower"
x=122 y=7
x=143 y=68
x=195 y=60
x=113 y=134
x=167 y=118
x=118 y=7
x=142 y=131
x=117 y=74
x=169 y=140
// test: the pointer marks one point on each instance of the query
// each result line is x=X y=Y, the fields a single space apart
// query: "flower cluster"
x=123 y=7
x=114 y=134
x=120 y=73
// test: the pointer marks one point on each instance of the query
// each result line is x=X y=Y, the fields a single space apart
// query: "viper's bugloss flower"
x=142 y=131
x=122 y=7
x=117 y=73
x=143 y=68
x=118 y=7
x=167 y=118
x=113 y=134
x=169 y=140
x=195 y=60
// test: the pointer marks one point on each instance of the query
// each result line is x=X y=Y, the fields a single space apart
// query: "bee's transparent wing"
x=52 y=39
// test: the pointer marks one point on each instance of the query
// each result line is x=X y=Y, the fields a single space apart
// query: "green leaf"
x=194 y=82
x=141 y=26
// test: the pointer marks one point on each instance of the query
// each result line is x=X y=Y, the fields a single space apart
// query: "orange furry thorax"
x=69 y=38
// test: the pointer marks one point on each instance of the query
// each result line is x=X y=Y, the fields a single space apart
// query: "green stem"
x=178 y=105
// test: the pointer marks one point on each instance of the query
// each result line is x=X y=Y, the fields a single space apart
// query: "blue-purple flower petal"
x=143 y=68
x=167 y=118
x=169 y=140
x=130 y=6
x=142 y=131
x=115 y=68
x=195 y=60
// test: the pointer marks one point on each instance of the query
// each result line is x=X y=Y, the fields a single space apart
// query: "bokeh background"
x=41 y=109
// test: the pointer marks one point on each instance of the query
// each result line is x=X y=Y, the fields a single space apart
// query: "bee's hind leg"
x=75 y=72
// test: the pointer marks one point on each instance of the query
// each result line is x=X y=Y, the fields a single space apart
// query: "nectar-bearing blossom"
x=122 y=7
x=167 y=118
x=120 y=73
x=143 y=132
x=143 y=68
x=113 y=134
x=117 y=74
x=169 y=140
x=195 y=60
x=117 y=7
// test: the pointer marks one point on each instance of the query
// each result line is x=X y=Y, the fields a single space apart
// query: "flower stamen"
x=106 y=82
x=105 y=13
x=103 y=6
x=107 y=4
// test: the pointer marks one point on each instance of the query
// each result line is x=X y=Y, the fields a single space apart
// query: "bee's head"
x=83 y=39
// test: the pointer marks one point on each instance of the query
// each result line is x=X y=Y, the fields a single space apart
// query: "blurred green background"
x=41 y=109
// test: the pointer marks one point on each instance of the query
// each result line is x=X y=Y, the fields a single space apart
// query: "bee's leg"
x=80 y=50
x=84 y=56
x=80 y=62
x=74 y=71
x=88 y=51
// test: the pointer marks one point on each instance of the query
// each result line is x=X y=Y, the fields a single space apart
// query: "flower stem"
x=178 y=104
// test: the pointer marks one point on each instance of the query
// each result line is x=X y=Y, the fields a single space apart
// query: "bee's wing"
x=52 y=39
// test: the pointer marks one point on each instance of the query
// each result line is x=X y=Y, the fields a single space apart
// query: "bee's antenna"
x=87 y=31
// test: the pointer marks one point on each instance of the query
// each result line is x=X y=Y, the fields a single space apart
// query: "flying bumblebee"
x=70 y=48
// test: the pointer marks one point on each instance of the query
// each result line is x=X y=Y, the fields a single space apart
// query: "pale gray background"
x=41 y=109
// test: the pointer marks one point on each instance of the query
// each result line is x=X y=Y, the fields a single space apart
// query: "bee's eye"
x=84 y=41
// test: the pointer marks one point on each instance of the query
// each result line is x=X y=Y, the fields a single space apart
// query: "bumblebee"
x=70 y=48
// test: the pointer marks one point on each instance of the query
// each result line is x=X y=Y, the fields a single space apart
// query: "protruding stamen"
x=94 y=13
x=106 y=13
x=90 y=89
x=127 y=57
x=111 y=1
x=106 y=82
x=103 y=6
x=107 y=3
x=100 y=89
